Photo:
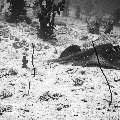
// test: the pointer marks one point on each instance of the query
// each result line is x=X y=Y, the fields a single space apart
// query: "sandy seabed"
x=56 y=92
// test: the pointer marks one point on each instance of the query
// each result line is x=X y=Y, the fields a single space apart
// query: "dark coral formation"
x=4 y=72
x=93 y=25
x=47 y=95
x=7 y=108
x=5 y=94
x=106 y=23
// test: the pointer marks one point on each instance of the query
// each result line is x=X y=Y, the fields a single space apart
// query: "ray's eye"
x=117 y=48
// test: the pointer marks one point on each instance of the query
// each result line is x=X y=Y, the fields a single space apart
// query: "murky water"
x=89 y=7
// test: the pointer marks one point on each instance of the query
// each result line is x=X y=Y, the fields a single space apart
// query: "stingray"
x=70 y=50
x=109 y=56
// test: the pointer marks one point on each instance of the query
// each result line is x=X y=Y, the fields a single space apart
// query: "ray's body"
x=108 y=55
